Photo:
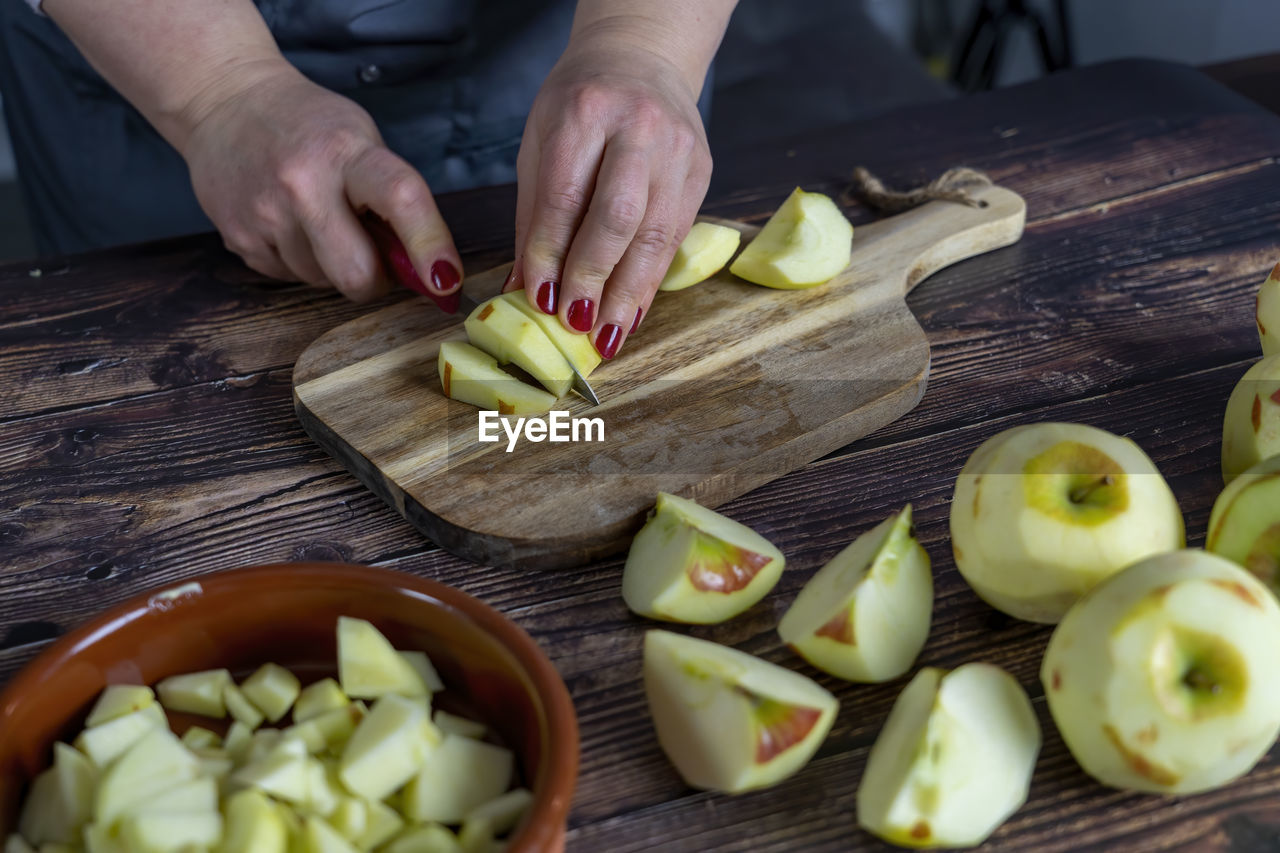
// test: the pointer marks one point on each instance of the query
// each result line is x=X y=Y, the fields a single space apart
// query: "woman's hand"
x=612 y=170
x=283 y=166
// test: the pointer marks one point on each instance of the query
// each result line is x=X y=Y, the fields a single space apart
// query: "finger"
x=380 y=181
x=526 y=188
x=257 y=254
x=564 y=182
x=343 y=249
x=611 y=223
x=635 y=279
x=295 y=250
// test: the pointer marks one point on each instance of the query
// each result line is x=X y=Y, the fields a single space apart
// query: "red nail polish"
x=608 y=340
x=548 y=297
x=582 y=314
x=636 y=323
x=443 y=276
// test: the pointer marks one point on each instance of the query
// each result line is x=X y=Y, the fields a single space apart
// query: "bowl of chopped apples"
x=314 y=707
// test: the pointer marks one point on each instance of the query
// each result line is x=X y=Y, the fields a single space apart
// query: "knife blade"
x=396 y=257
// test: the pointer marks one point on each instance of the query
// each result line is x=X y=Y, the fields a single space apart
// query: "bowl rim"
x=551 y=803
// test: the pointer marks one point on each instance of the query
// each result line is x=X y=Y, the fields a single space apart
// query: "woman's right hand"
x=284 y=167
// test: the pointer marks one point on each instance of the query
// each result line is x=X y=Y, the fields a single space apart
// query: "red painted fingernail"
x=444 y=276
x=636 y=323
x=548 y=297
x=582 y=314
x=608 y=339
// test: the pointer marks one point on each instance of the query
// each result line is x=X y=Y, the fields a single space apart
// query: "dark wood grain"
x=147 y=435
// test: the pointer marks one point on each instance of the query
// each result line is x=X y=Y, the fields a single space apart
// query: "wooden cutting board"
x=726 y=386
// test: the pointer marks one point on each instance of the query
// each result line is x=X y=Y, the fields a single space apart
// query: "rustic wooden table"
x=147 y=435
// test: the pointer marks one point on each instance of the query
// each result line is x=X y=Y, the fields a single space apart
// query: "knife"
x=401 y=267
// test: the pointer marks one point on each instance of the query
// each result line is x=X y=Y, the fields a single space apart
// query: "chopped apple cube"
x=460 y=775
x=429 y=838
x=214 y=762
x=323 y=838
x=388 y=747
x=509 y=335
x=703 y=253
x=195 y=692
x=253 y=825
x=369 y=667
x=107 y=741
x=426 y=670
x=470 y=375
x=157 y=762
x=578 y=349
x=282 y=774
x=805 y=243
x=350 y=817
x=503 y=812
x=315 y=699
x=195 y=795
x=273 y=689
x=61 y=799
x=240 y=708
x=238 y=741
x=117 y=700
x=170 y=832
x=476 y=835
x=198 y=737
x=453 y=724
x=691 y=564
x=382 y=823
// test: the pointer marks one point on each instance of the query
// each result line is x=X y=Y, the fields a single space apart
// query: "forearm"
x=686 y=33
x=174 y=60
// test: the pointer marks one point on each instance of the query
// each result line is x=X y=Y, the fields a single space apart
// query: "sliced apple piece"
x=1245 y=524
x=157 y=762
x=805 y=243
x=865 y=615
x=702 y=254
x=315 y=699
x=388 y=747
x=61 y=799
x=1043 y=512
x=117 y=700
x=107 y=741
x=272 y=689
x=1165 y=677
x=170 y=832
x=503 y=812
x=239 y=706
x=198 y=737
x=953 y=761
x=381 y=825
x=1269 y=313
x=238 y=741
x=430 y=838
x=470 y=375
x=511 y=336
x=691 y=564
x=196 y=692
x=253 y=825
x=1251 y=426
x=729 y=721
x=282 y=774
x=369 y=667
x=323 y=838
x=426 y=670
x=454 y=724
x=461 y=774
x=577 y=349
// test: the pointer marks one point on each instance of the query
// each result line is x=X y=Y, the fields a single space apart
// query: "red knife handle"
x=396 y=257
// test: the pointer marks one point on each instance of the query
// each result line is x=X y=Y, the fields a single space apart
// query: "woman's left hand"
x=612 y=170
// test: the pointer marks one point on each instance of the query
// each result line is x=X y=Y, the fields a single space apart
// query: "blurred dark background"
x=789 y=67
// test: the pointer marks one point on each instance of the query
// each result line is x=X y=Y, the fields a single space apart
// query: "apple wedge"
x=470 y=375
x=1165 y=677
x=805 y=243
x=61 y=799
x=1269 y=313
x=388 y=747
x=702 y=254
x=953 y=761
x=117 y=700
x=196 y=692
x=691 y=564
x=576 y=348
x=156 y=763
x=105 y=742
x=318 y=697
x=253 y=825
x=1244 y=526
x=272 y=689
x=726 y=720
x=369 y=667
x=865 y=615
x=1251 y=426
x=1043 y=512
x=511 y=336
x=441 y=792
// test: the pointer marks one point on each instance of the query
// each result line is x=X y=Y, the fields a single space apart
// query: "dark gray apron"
x=449 y=83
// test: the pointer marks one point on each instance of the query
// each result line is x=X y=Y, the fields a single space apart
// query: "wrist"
x=626 y=35
x=178 y=120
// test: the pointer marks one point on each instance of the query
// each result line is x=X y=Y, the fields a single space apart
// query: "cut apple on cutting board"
x=691 y=564
x=702 y=253
x=865 y=615
x=804 y=244
x=727 y=720
x=726 y=387
x=511 y=336
x=470 y=375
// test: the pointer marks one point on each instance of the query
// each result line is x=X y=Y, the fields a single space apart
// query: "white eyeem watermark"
x=557 y=426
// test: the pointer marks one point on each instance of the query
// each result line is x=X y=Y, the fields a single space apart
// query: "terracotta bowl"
x=287 y=613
